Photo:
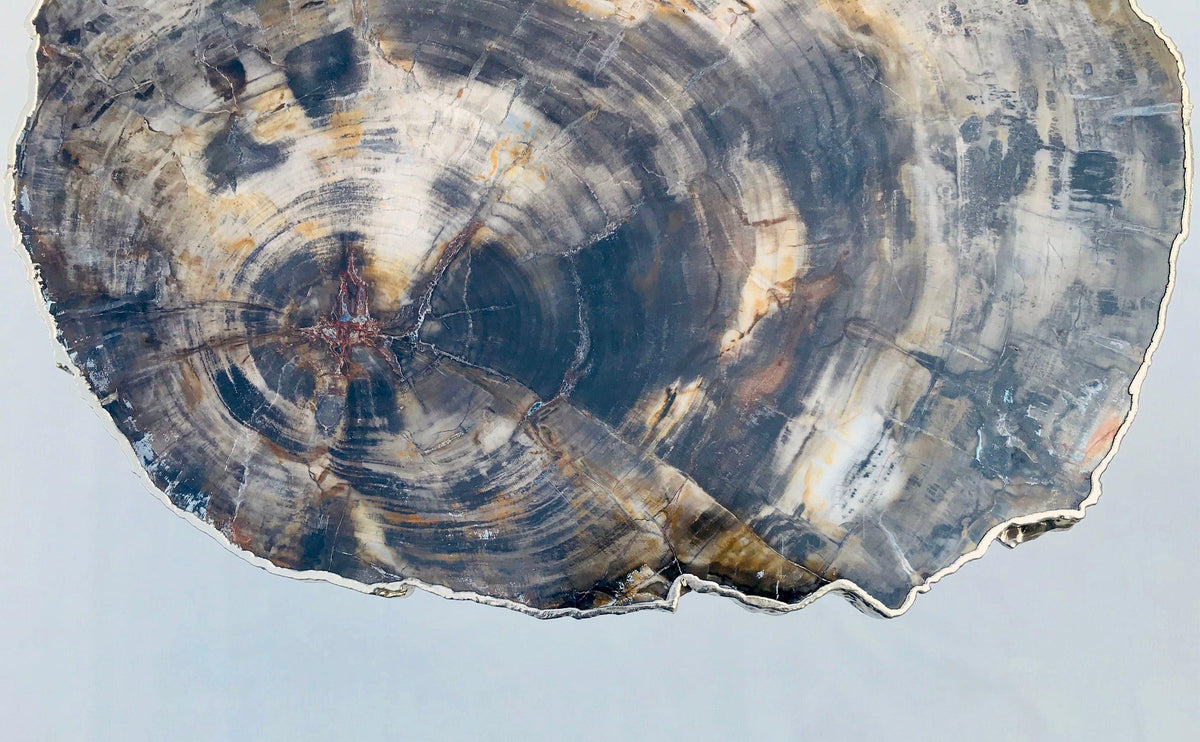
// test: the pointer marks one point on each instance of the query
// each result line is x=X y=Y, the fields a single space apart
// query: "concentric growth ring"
x=572 y=305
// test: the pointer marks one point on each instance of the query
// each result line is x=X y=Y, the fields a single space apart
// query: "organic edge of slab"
x=1011 y=533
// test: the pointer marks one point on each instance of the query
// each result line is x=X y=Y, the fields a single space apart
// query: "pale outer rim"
x=848 y=588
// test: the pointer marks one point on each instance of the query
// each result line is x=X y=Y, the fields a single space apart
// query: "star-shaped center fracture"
x=349 y=322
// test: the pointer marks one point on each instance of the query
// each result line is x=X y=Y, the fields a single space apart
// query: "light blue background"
x=119 y=621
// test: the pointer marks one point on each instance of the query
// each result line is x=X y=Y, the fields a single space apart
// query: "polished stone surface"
x=575 y=306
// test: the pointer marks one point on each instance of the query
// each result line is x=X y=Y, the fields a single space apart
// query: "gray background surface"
x=119 y=620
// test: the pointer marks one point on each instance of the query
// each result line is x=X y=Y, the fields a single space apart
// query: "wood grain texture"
x=574 y=305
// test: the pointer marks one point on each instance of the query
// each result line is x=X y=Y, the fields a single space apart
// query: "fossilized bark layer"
x=557 y=301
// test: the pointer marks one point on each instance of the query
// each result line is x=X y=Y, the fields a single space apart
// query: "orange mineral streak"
x=1103 y=438
x=766 y=380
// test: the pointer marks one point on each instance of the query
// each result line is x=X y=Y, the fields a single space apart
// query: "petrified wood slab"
x=574 y=305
